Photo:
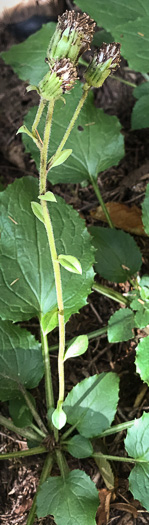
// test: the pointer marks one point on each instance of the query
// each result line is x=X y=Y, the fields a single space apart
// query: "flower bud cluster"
x=104 y=61
x=72 y=37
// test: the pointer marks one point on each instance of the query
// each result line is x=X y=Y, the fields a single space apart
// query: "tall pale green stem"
x=44 y=149
x=47 y=368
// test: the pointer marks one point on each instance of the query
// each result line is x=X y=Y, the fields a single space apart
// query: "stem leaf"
x=60 y=159
x=49 y=321
x=78 y=347
x=49 y=196
x=37 y=210
x=70 y=263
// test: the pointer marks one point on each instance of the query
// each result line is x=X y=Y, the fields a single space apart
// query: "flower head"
x=58 y=80
x=105 y=61
x=72 y=37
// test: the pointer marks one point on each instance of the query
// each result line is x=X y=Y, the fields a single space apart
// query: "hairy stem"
x=44 y=148
x=70 y=127
x=45 y=473
x=116 y=458
x=22 y=453
x=117 y=428
x=91 y=335
x=34 y=411
x=25 y=432
x=58 y=284
x=47 y=369
x=109 y=292
x=101 y=202
x=62 y=464
x=40 y=109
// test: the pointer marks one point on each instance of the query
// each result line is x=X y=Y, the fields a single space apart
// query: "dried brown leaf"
x=123 y=217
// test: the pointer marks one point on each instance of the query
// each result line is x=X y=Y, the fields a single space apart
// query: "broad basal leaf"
x=28 y=59
x=91 y=404
x=121 y=325
x=20 y=360
x=137 y=446
x=140 y=113
x=141 y=90
x=110 y=14
x=95 y=140
x=128 y=23
x=27 y=286
x=20 y=412
x=118 y=256
x=145 y=210
x=72 y=501
x=142 y=359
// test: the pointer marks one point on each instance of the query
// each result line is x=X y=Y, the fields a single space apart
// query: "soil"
x=125 y=183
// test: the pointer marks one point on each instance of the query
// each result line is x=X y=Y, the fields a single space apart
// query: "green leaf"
x=110 y=14
x=91 y=404
x=26 y=276
x=96 y=140
x=20 y=360
x=137 y=446
x=70 y=263
x=79 y=447
x=142 y=359
x=59 y=418
x=62 y=157
x=20 y=412
x=140 y=113
x=117 y=254
x=72 y=501
x=49 y=197
x=28 y=59
x=145 y=210
x=78 y=347
x=128 y=22
x=142 y=316
x=100 y=37
x=120 y=326
x=37 y=210
x=141 y=90
x=134 y=39
x=49 y=321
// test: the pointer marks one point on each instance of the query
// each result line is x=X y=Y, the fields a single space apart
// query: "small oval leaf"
x=49 y=196
x=37 y=210
x=78 y=347
x=49 y=321
x=70 y=263
x=22 y=129
x=59 y=418
x=79 y=447
x=60 y=159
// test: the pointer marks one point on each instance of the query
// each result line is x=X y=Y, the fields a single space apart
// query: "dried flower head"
x=105 y=61
x=73 y=35
x=58 y=80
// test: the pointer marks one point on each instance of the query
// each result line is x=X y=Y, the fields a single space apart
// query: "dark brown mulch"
x=125 y=183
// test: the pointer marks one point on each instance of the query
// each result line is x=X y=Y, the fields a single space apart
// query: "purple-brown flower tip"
x=104 y=61
x=66 y=72
x=109 y=51
x=58 y=80
x=72 y=37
